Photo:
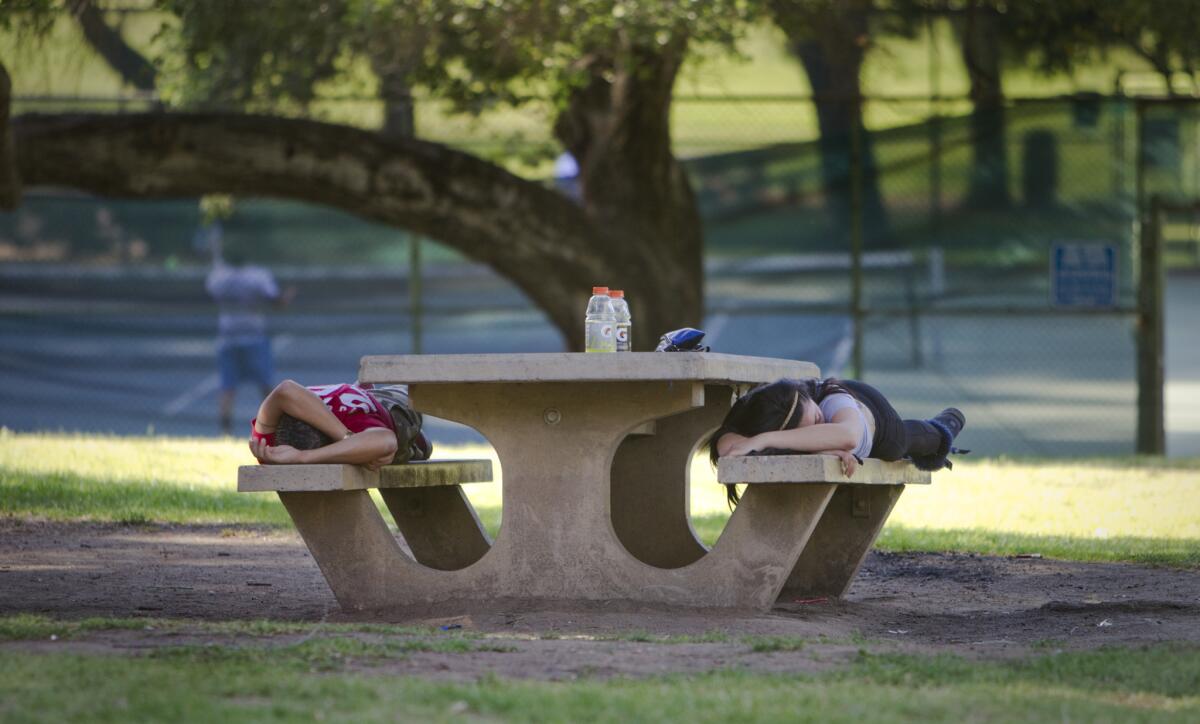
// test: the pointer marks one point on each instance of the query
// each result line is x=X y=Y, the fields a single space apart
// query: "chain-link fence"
x=998 y=266
x=986 y=260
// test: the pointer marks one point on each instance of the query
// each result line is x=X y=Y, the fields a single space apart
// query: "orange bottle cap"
x=617 y=294
x=599 y=290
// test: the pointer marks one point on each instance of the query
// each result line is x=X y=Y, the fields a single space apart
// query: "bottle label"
x=623 y=338
x=600 y=337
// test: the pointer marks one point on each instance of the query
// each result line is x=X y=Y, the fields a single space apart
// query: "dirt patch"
x=970 y=605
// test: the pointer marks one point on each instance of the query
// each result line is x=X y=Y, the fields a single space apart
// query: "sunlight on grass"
x=1096 y=509
x=1097 y=498
x=190 y=462
x=1084 y=498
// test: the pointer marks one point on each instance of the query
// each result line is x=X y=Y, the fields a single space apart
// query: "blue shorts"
x=239 y=362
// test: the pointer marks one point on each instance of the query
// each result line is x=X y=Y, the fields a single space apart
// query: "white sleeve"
x=834 y=404
x=837 y=402
x=266 y=284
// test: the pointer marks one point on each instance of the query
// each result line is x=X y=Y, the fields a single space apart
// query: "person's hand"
x=275 y=455
x=258 y=449
x=287 y=295
x=378 y=463
x=284 y=455
x=849 y=462
x=745 y=445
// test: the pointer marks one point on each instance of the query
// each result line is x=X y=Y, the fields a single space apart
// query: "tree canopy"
x=235 y=75
x=608 y=65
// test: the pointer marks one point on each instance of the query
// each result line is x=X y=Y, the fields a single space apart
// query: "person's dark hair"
x=299 y=434
x=773 y=406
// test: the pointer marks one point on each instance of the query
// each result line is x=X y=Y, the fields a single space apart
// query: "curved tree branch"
x=130 y=64
x=532 y=235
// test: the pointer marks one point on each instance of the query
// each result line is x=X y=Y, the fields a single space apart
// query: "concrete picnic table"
x=595 y=451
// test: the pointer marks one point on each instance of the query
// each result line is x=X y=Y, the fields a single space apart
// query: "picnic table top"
x=580 y=367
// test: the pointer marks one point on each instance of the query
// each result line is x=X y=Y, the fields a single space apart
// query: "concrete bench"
x=850 y=519
x=312 y=478
x=425 y=499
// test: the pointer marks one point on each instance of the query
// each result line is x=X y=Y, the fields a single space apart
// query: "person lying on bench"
x=341 y=423
x=846 y=418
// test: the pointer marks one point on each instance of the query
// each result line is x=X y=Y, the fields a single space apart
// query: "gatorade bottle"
x=600 y=323
x=624 y=322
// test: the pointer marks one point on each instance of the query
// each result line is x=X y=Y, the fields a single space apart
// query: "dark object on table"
x=682 y=340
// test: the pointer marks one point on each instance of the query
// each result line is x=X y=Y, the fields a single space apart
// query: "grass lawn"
x=1118 y=509
x=336 y=674
x=314 y=681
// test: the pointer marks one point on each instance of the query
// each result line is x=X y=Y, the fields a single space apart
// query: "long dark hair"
x=775 y=405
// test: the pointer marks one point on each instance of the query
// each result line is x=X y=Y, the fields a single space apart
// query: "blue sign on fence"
x=1083 y=274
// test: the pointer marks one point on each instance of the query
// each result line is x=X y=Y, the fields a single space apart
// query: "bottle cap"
x=617 y=294
x=599 y=290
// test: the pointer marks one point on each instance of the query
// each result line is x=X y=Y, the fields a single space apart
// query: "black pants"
x=894 y=438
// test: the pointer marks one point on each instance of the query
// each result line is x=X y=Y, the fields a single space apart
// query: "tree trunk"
x=399 y=119
x=831 y=44
x=10 y=183
x=618 y=129
x=544 y=243
x=979 y=40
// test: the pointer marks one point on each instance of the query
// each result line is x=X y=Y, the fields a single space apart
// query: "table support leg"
x=351 y=543
x=766 y=534
x=845 y=533
x=439 y=525
x=650 y=485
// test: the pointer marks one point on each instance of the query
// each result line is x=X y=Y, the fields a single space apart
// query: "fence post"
x=1120 y=110
x=1151 y=436
x=414 y=290
x=856 y=231
x=935 y=132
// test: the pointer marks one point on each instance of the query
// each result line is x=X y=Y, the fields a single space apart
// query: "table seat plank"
x=314 y=478
x=751 y=469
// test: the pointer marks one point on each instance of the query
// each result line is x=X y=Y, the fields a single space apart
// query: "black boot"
x=949 y=422
x=953 y=420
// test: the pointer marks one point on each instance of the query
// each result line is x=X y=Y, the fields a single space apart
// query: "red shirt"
x=356 y=408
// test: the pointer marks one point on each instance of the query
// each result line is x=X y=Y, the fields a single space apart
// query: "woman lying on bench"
x=846 y=418
x=371 y=426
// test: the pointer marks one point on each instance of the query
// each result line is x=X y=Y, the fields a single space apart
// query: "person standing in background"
x=243 y=292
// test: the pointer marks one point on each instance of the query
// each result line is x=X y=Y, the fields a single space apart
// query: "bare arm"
x=727 y=442
x=372 y=447
x=302 y=404
x=841 y=433
x=285 y=297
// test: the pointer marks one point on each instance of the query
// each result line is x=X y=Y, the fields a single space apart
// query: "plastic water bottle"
x=624 y=321
x=600 y=324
